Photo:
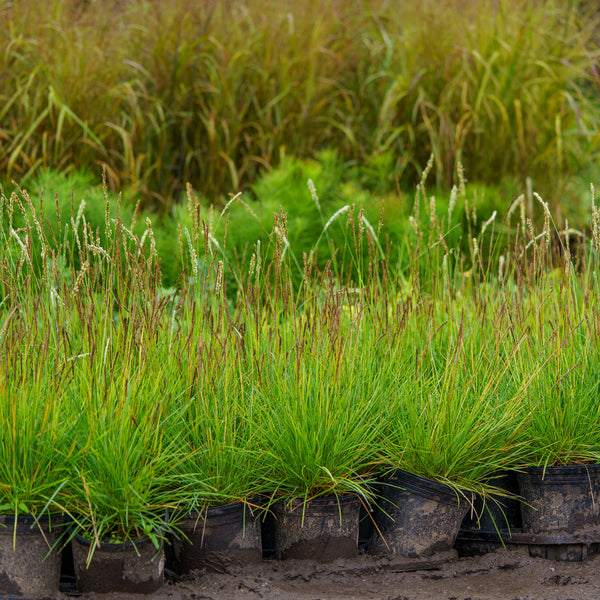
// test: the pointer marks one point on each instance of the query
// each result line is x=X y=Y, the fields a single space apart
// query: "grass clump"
x=217 y=444
x=456 y=415
x=560 y=361
x=319 y=411
x=35 y=451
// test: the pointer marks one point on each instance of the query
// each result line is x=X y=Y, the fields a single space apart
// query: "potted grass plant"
x=217 y=479
x=450 y=424
x=119 y=489
x=316 y=412
x=36 y=449
x=34 y=459
x=32 y=475
x=560 y=479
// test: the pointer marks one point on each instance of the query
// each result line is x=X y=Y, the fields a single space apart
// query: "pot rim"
x=556 y=475
x=424 y=486
x=331 y=500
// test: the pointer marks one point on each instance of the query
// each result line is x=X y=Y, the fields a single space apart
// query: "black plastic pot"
x=489 y=526
x=30 y=561
x=322 y=529
x=416 y=516
x=500 y=513
x=130 y=567
x=217 y=538
x=561 y=498
x=563 y=552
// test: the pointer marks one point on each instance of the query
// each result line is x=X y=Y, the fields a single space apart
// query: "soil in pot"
x=31 y=566
x=321 y=529
x=218 y=538
x=416 y=516
x=129 y=567
x=563 y=498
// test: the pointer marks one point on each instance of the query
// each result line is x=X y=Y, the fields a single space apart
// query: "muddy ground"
x=500 y=575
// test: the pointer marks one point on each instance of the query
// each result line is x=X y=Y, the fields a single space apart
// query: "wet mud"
x=500 y=575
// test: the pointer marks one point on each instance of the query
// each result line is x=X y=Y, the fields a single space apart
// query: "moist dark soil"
x=300 y=532
x=118 y=566
x=500 y=575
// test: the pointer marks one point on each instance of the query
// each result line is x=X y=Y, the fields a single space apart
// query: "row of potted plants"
x=416 y=517
x=115 y=442
x=121 y=401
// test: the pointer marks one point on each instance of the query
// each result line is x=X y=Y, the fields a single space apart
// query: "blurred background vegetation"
x=261 y=96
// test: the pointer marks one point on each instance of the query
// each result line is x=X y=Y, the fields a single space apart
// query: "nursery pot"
x=561 y=498
x=217 y=538
x=130 y=567
x=416 y=516
x=492 y=522
x=499 y=514
x=322 y=529
x=30 y=561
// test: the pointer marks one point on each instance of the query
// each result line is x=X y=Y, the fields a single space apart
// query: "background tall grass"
x=216 y=93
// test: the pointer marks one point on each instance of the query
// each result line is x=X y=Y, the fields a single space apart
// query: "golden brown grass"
x=215 y=92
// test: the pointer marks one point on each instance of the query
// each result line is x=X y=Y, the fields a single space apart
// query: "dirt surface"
x=500 y=575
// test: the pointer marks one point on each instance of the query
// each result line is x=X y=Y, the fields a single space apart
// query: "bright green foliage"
x=455 y=417
x=119 y=485
x=36 y=429
x=218 y=446
x=563 y=392
x=319 y=418
x=467 y=346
